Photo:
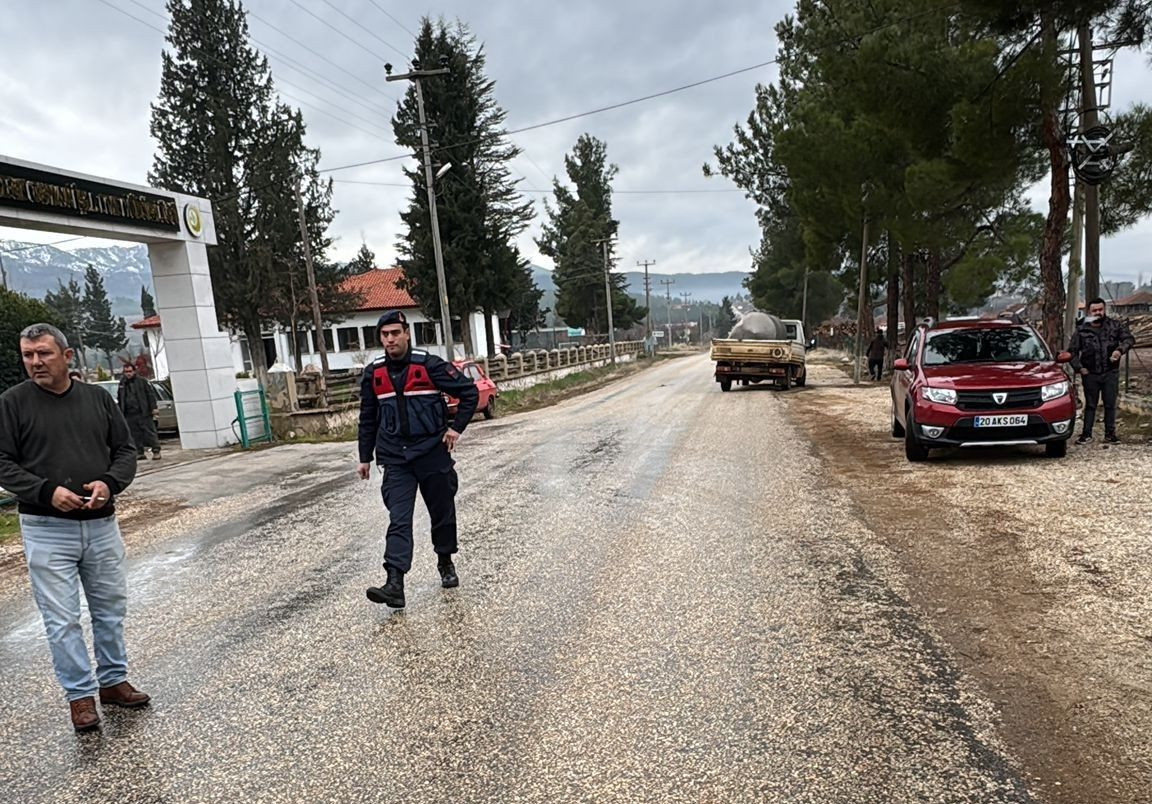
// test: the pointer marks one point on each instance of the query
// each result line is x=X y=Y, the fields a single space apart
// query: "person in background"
x=65 y=453
x=75 y=376
x=1097 y=347
x=876 y=351
x=139 y=404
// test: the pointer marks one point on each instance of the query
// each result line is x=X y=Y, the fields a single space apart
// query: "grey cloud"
x=83 y=104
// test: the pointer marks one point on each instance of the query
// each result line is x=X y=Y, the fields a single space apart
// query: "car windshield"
x=1000 y=345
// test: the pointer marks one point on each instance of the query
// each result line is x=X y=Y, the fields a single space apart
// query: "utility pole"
x=415 y=77
x=647 y=296
x=668 y=283
x=1089 y=119
x=862 y=300
x=1074 y=263
x=608 y=297
x=687 y=312
x=317 y=321
x=804 y=303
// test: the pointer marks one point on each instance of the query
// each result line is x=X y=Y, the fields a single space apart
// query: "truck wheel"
x=490 y=409
x=726 y=385
x=802 y=380
x=1056 y=449
x=786 y=381
x=914 y=451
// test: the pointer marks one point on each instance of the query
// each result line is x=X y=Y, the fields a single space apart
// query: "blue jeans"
x=62 y=556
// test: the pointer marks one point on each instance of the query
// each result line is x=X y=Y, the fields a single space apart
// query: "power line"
x=548 y=192
x=325 y=22
x=316 y=53
x=642 y=98
x=40 y=245
x=321 y=111
x=361 y=26
x=384 y=11
x=282 y=80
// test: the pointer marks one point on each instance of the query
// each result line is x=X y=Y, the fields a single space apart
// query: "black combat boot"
x=392 y=592
x=448 y=577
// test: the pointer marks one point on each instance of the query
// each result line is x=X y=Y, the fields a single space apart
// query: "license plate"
x=1002 y=421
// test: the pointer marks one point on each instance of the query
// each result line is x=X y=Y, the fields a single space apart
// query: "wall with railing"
x=518 y=368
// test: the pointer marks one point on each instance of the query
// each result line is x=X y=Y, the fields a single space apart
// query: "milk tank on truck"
x=761 y=348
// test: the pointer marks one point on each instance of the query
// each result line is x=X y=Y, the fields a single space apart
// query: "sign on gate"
x=41 y=191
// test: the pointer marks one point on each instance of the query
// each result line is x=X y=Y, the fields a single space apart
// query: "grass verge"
x=9 y=526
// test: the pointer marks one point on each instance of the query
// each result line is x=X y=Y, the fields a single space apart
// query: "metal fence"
x=344 y=389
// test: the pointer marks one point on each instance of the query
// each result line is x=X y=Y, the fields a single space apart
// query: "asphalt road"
x=662 y=599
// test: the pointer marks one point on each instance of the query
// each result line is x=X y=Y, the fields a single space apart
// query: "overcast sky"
x=77 y=77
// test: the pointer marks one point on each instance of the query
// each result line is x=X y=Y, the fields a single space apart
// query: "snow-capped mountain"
x=35 y=270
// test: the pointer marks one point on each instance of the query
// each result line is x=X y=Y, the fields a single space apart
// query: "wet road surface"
x=661 y=600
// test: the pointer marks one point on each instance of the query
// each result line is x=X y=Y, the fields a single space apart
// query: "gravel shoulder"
x=1035 y=572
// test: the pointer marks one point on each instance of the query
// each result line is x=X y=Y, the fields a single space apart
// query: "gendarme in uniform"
x=405 y=430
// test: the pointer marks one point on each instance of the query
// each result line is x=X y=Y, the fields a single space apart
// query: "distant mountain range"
x=703 y=287
x=35 y=270
x=38 y=269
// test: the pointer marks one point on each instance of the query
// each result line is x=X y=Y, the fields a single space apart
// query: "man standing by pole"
x=404 y=426
x=1096 y=349
x=138 y=403
x=65 y=452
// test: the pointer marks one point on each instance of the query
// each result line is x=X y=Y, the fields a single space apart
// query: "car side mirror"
x=1064 y=357
x=901 y=365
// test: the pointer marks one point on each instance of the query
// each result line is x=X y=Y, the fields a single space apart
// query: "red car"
x=981 y=383
x=487 y=389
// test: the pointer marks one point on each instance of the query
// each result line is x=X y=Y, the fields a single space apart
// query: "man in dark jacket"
x=1096 y=347
x=138 y=403
x=404 y=426
x=65 y=453
x=876 y=351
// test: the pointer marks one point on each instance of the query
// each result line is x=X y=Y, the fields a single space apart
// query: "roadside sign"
x=658 y=333
x=575 y=332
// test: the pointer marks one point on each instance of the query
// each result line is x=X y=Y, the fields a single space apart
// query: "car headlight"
x=1054 y=391
x=941 y=396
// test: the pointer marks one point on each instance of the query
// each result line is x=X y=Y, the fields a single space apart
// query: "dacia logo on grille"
x=1000 y=399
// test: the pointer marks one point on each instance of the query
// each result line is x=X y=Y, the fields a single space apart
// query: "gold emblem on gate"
x=192 y=220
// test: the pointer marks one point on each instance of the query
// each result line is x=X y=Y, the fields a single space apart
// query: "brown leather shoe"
x=123 y=694
x=84 y=714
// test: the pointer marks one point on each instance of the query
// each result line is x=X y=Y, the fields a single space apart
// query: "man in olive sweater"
x=65 y=452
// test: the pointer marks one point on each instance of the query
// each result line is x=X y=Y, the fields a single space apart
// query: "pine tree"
x=18 y=311
x=147 y=303
x=103 y=330
x=67 y=306
x=363 y=262
x=573 y=234
x=222 y=135
x=480 y=210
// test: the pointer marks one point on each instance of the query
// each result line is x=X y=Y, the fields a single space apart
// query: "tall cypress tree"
x=147 y=303
x=481 y=212
x=67 y=305
x=222 y=135
x=582 y=217
x=103 y=330
x=364 y=261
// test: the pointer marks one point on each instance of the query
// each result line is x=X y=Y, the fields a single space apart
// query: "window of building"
x=426 y=333
x=328 y=342
x=371 y=339
x=245 y=354
x=348 y=339
x=303 y=342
